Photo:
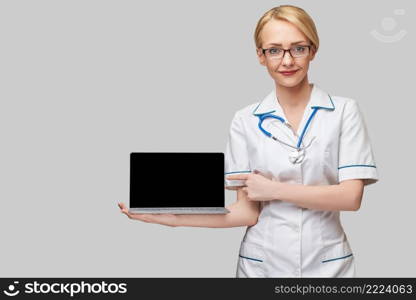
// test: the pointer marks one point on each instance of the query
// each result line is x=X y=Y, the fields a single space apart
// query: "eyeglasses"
x=295 y=51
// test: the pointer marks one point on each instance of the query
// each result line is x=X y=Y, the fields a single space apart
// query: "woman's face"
x=282 y=34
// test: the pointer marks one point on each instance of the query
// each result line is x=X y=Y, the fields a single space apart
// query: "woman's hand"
x=258 y=187
x=163 y=219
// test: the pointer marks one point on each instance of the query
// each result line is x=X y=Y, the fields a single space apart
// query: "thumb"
x=266 y=175
x=258 y=173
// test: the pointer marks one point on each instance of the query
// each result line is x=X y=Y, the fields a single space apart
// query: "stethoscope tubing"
x=268 y=134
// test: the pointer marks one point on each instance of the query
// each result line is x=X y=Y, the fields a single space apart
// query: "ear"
x=260 y=56
x=312 y=54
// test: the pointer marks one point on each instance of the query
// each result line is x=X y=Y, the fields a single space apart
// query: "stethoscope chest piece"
x=296 y=156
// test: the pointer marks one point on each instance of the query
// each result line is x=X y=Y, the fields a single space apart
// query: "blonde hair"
x=292 y=14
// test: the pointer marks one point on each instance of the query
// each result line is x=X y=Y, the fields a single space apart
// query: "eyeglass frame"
x=284 y=51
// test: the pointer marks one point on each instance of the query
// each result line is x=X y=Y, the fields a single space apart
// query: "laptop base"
x=179 y=210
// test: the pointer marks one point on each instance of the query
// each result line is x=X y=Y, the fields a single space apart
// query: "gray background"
x=84 y=83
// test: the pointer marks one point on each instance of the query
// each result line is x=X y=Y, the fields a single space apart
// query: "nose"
x=287 y=59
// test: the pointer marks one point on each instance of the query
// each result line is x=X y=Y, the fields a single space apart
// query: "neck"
x=294 y=97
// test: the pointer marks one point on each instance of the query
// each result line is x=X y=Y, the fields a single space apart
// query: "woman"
x=296 y=159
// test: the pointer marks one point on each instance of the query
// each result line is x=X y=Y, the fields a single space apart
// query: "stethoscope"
x=297 y=155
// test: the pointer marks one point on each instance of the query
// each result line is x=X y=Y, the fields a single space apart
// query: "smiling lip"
x=288 y=73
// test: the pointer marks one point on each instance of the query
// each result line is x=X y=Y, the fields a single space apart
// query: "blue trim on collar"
x=325 y=107
x=312 y=107
x=254 y=111
x=315 y=108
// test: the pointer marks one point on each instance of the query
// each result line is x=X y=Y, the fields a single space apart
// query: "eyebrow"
x=294 y=43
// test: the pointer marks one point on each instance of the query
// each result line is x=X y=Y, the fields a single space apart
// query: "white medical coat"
x=288 y=240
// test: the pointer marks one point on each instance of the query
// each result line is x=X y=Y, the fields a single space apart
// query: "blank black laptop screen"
x=176 y=179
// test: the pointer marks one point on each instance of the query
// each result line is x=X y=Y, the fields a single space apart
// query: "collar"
x=318 y=99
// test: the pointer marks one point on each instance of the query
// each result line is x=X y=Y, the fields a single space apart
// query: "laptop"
x=177 y=183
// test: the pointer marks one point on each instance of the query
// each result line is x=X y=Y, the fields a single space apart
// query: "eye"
x=300 y=49
x=275 y=50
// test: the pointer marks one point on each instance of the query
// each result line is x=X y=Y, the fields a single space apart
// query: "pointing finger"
x=237 y=177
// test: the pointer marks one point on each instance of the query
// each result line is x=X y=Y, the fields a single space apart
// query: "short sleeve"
x=236 y=154
x=356 y=158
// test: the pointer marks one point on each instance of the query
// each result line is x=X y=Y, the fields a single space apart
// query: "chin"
x=290 y=81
